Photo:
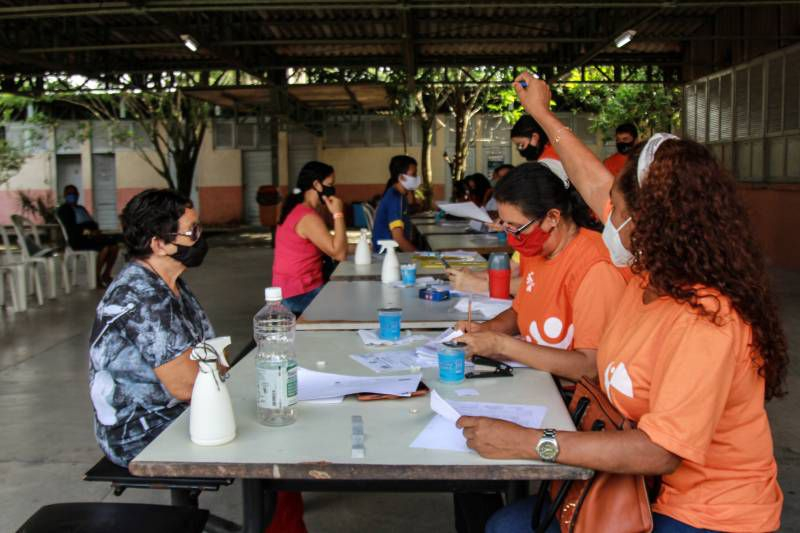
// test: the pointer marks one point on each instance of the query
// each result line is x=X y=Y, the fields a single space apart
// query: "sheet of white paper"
x=394 y=361
x=475 y=225
x=370 y=337
x=467 y=392
x=488 y=307
x=465 y=210
x=326 y=401
x=464 y=255
x=314 y=385
x=441 y=407
x=442 y=434
x=430 y=349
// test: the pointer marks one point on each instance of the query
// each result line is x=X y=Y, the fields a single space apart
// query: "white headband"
x=556 y=168
x=649 y=153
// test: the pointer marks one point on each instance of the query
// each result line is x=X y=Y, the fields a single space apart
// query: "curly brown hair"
x=691 y=231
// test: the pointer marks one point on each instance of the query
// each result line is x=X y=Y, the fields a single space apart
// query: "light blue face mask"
x=71 y=198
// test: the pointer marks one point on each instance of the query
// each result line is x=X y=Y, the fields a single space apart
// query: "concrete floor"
x=47 y=443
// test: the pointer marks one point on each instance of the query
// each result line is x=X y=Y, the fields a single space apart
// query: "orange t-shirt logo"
x=553 y=329
x=617 y=377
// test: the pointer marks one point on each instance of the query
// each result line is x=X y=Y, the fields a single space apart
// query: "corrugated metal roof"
x=252 y=35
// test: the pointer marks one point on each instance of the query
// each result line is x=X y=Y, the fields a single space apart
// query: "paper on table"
x=476 y=225
x=370 y=337
x=395 y=361
x=465 y=210
x=431 y=348
x=442 y=408
x=314 y=385
x=441 y=432
x=467 y=392
x=488 y=307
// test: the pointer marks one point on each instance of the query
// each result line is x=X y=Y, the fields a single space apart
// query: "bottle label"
x=291 y=384
x=277 y=385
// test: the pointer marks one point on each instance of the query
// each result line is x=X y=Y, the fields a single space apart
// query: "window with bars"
x=750 y=116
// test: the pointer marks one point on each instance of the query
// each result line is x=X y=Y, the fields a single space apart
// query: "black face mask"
x=624 y=148
x=531 y=152
x=327 y=190
x=191 y=256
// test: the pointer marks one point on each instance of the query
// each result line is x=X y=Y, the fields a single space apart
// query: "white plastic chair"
x=369 y=214
x=13 y=270
x=71 y=257
x=44 y=259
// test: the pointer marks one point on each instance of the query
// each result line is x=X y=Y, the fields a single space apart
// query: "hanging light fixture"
x=624 y=38
x=189 y=42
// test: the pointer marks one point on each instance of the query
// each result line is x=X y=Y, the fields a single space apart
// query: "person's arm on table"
x=585 y=170
x=569 y=364
x=621 y=452
x=465 y=280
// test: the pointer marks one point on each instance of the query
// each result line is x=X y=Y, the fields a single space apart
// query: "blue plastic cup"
x=389 y=319
x=451 y=362
x=502 y=237
x=408 y=272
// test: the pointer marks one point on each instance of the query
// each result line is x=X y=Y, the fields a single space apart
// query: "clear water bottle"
x=276 y=365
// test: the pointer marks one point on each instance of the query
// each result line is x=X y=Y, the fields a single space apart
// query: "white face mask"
x=620 y=255
x=411 y=183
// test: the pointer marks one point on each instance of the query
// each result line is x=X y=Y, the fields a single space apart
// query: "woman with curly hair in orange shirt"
x=693 y=351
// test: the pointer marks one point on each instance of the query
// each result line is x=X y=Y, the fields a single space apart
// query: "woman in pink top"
x=303 y=237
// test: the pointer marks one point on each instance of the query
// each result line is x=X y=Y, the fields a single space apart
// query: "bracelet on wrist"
x=338 y=215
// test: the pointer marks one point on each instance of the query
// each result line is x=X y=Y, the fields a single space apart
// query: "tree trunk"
x=427 y=127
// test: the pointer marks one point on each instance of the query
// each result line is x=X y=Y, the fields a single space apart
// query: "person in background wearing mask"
x=148 y=321
x=693 y=352
x=302 y=236
x=83 y=233
x=531 y=140
x=391 y=217
x=626 y=139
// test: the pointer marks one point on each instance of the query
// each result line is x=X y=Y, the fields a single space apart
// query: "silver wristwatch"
x=547 y=447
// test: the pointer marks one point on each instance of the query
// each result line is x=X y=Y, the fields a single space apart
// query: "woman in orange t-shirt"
x=569 y=288
x=692 y=353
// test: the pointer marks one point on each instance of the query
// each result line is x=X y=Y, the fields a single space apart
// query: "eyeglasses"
x=193 y=234
x=516 y=231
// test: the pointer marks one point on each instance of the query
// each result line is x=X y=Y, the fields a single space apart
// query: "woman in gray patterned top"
x=140 y=374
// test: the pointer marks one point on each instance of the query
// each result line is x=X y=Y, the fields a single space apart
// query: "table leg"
x=258 y=505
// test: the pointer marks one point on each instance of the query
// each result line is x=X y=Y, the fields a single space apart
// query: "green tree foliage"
x=651 y=106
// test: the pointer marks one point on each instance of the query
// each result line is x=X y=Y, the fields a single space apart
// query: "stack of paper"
x=441 y=432
x=488 y=307
x=370 y=337
x=312 y=385
x=395 y=361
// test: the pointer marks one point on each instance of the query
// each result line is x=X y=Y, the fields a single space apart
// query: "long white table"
x=317 y=447
x=354 y=305
x=349 y=271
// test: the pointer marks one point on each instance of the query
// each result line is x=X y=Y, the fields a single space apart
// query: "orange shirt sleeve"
x=595 y=304
x=689 y=387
